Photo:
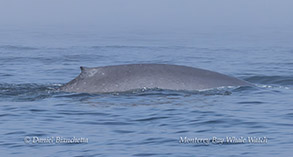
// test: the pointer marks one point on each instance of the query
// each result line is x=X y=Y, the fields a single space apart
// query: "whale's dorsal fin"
x=87 y=72
x=83 y=69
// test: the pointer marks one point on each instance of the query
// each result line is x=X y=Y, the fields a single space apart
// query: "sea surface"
x=38 y=120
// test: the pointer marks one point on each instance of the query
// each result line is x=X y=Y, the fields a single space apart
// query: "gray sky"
x=110 y=15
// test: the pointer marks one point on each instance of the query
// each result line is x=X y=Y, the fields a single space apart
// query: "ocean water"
x=38 y=120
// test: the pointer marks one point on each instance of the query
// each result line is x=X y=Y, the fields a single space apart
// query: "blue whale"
x=119 y=78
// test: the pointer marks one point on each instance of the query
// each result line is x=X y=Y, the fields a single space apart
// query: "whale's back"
x=136 y=76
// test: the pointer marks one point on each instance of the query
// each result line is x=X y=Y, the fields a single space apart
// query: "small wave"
x=16 y=47
x=271 y=80
x=166 y=92
x=141 y=47
x=163 y=92
x=272 y=86
x=119 y=47
x=34 y=92
x=26 y=92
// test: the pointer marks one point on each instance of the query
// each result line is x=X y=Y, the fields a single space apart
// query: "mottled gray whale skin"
x=119 y=78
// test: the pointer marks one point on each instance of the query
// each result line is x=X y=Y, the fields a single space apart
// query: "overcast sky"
x=146 y=14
